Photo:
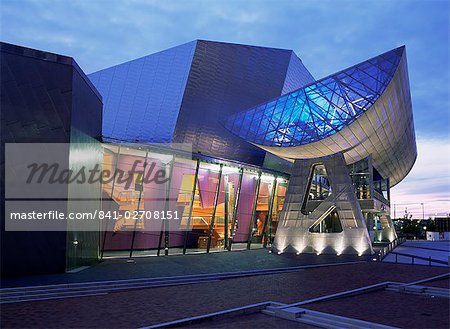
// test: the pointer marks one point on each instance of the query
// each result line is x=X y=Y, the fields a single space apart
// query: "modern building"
x=351 y=137
x=45 y=98
x=274 y=158
x=440 y=229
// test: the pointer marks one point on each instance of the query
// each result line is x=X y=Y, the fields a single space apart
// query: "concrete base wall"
x=293 y=233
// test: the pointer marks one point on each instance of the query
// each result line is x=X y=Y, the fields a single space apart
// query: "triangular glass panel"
x=319 y=109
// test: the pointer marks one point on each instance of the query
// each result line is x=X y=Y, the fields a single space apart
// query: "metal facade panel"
x=142 y=97
x=224 y=80
x=293 y=232
x=185 y=94
x=45 y=97
x=36 y=99
x=385 y=130
x=394 y=145
x=297 y=75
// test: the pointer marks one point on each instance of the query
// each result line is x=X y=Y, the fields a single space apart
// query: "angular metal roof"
x=142 y=97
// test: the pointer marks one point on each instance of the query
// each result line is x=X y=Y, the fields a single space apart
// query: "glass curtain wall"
x=244 y=214
x=263 y=212
x=381 y=185
x=277 y=207
x=360 y=172
x=320 y=186
x=214 y=207
x=120 y=195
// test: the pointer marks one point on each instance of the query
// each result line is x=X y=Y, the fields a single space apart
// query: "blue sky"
x=327 y=35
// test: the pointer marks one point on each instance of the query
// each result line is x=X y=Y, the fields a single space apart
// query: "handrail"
x=391 y=246
x=387 y=249
x=413 y=257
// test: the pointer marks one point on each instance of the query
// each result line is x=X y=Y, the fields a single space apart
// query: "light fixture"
x=230 y=170
x=267 y=178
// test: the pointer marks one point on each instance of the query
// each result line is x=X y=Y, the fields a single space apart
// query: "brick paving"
x=135 y=308
x=391 y=308
x=116 y=269
x=444 y=283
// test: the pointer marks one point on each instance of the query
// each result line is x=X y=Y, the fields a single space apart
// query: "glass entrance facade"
x=213 y=205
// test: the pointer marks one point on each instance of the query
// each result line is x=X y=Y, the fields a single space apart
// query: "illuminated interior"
x=219 y=206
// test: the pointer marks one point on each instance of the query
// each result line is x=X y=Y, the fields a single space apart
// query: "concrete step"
x=44 y=295
x=32 y=299
x=18 y=294
x=419 y=290
x=321 y=319
x=89 y=287
x=318 y=324
x=347 y=322
x=327 y=322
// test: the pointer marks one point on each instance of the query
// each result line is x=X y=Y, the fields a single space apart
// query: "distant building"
x=442 y=229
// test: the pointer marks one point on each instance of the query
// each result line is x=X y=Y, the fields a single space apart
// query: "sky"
x=328 y=36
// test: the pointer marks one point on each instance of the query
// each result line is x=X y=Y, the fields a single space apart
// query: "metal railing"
x=387 y=249
x=382 y=253
x=414 y=257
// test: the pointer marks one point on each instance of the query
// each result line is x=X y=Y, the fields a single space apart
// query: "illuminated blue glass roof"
x=320 y=109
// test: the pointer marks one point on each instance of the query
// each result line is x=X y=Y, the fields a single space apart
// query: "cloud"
x=428 y=182
x=327 y=35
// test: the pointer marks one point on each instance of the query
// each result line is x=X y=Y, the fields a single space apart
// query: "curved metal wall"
x=320 y=109
x=385 y=131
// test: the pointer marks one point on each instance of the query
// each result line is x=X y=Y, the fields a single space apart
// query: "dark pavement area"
x=143 y=307
x=444 y=283
x=391 y=308
x=148 y=267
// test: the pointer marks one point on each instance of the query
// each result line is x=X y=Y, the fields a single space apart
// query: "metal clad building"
x=279 y=160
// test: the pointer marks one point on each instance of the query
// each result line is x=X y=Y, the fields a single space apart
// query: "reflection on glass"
x=197 y=196
x=360 y=174
x=320 y=186
x=226 y=203
x=202 y=207
x=328 y=223
x=244 y=210
x=264 y=200
x=380 y=184
x=124 y=193
x=278 y=203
